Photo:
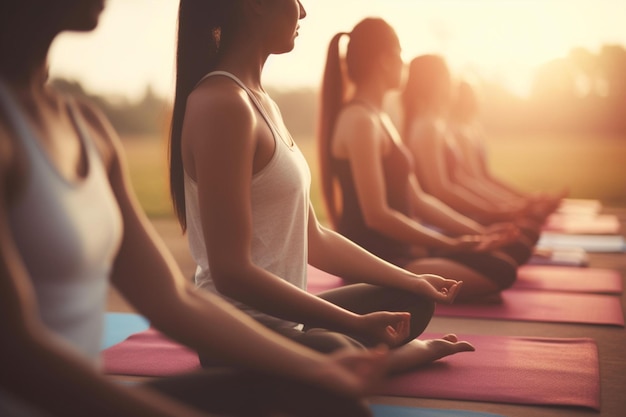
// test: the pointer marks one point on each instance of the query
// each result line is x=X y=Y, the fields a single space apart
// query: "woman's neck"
x=245 y=60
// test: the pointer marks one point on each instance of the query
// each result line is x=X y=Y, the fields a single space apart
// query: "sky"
x=503 y=40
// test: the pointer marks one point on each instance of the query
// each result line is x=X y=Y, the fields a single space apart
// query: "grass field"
x=591 y=167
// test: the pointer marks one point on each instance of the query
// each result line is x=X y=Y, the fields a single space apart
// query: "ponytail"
x=369 y=40
x=333 y=96
x=204 y=29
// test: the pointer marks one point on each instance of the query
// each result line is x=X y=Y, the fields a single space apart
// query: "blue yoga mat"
x=381 y=410
x=118 y=326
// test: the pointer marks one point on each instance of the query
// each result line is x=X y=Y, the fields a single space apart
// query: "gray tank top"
x=280 y=207
x=67 y=234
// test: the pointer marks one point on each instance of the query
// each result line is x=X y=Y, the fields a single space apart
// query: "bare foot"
x=421 y=352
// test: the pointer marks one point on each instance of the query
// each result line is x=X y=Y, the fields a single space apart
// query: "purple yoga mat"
x=530 y=301
x=543 y=306
x=318 y=280
x=530 y=277
x=149 y=353
x=503 y=369
x=569 y=279
x=540 y=371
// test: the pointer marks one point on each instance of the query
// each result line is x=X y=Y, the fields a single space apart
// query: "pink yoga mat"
x=530 y=277
x=531 y=302
x=540 y=371
x=569 y=279
x=601 y=224
x=543 y=306
x=503 y=369
x=149 y=353
x=319 y=281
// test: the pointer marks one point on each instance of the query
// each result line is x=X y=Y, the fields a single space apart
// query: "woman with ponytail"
x=371 y=193
x=241 y=191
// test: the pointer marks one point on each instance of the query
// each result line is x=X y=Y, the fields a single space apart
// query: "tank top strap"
x=92 y=153
x=384 y=122
x=252 y=97
x=17 y=121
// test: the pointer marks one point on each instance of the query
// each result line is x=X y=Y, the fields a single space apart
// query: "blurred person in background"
x=440 y=163
x=372 y=194
x=472 y=170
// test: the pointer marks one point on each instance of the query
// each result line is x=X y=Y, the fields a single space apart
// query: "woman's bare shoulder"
x=219 y=108
x=358 y=120
x=215 y=93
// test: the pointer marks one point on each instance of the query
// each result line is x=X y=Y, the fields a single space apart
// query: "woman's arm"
x=360 y=139
x=37 y=366
x=333 y=253
x=435 y=212
x=429 y=152
x=469 y=173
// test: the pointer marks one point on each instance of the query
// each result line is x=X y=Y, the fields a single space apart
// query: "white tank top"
x=67 y=234
x=280 y=207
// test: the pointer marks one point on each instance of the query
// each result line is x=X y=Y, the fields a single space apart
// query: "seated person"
x=473 y=172
x=371 y=192
x=240 y=187
x=438 y=162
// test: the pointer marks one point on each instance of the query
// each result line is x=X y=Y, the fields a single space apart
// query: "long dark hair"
x=426 y=75
x=205 y=28
x=369 y=40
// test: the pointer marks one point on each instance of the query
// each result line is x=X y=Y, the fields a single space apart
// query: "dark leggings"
x=360 y=299
x=364 y=299
x=520 y=251
x=245 y=394
x=235 y=393
x=498 y=267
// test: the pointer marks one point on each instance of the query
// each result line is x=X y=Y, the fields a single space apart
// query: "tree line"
x=581 y=92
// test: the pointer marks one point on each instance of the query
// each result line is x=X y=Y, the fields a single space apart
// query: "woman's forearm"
x=43 y=373
x=439 y=214
x=339 y=256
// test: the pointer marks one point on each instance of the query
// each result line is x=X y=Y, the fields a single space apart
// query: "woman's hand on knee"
x=437 y=288
x=386 y=327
